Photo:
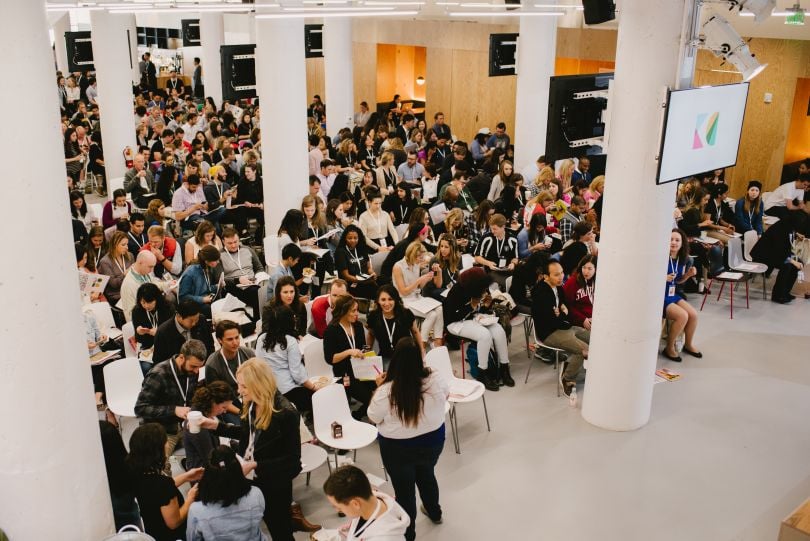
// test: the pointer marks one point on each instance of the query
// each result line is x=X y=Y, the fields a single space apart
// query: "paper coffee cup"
x=194 y=419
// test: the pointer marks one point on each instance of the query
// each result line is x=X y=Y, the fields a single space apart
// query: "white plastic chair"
x=467 y=261
x=271 y=252
x=377 y=261
x=402 y=230
x=96 y=210
x=438 y=359
x=128 y=331
x=750 y=238
x=553 y=350
x=739 y=264
x=312 y=458
x=314 y=360
x=122 y=380
x=104 y=317
x=329 y=405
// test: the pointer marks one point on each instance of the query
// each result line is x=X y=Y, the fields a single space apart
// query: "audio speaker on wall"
x=238 y=71
x=79 y=49
x=599 y=11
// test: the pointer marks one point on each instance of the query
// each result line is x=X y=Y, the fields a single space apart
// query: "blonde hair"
x=413 y=251
x=538 y=199
x=566 y=172
x=318 y=219
x=386 y=158
x=452 y=216
x=545 y=176
x=259 y=380
x=598 y=184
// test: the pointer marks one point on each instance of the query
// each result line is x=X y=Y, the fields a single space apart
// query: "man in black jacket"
x=184 y=326
x=167 y=390
x=552 y=328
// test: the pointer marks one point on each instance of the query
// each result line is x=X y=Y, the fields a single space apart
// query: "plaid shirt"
x=160 y=394
x=567 y=226
x=474 y=234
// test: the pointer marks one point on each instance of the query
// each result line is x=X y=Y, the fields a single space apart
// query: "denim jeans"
x=410 y=468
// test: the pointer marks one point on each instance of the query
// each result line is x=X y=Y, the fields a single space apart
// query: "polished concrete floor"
x=725 y=456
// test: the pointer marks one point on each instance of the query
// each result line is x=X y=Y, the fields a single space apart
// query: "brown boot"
x=300 y=522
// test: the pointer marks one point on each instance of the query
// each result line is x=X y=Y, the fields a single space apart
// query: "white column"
x=280 y=50
x=537 y=47
x=339 y=74
x=60 y=26
x=53 y=483
x=630 y=282
x=111 y=56
x=212 y=37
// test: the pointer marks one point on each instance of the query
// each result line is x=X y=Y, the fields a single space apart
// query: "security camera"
x=720 y=38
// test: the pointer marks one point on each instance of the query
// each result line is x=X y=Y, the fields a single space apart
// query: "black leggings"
x=277 y=501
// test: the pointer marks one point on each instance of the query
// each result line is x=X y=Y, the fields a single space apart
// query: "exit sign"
x=795 y=18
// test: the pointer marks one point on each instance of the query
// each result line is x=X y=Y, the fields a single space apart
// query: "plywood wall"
x=315 y=79
x=798 y=140
x=764 y=138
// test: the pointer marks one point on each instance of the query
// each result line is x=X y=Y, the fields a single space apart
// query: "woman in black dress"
x=353 y=264
x=390 y=321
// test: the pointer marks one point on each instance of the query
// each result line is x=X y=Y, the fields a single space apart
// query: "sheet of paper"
x=422 y=304
x=462 y=388
x=104 y=356
x=438 y=213
x=319 y=252
x=367 y=367
x=327 y=234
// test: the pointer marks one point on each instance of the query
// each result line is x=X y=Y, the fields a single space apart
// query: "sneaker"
x=568 y=387
x=433 y=520
x=485 y=379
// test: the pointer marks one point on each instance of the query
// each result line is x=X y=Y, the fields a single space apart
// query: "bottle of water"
x=572 y=399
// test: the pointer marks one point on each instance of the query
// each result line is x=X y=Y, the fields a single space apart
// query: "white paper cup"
x=194 y=419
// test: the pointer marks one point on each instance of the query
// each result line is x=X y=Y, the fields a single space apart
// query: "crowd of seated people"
x=406 y=239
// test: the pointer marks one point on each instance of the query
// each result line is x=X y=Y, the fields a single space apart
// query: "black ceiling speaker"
x=599 y=11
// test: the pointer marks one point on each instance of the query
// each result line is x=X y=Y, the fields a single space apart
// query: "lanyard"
x=349 y=337
x=356 y=259
x=717 y=208
x=238 y=259
x=219 y=188
x=370 y=154
x=207 y=280
x=371 y=519
x=135 y=240
x=379 y=220
x=238 y=363
x=441 y=152
x=403 y=211
x=122 y=265
x=673 y=267
x=556 y=297
x=97 y=258
x=177 y=380
x=389 y=176
x=499 y=245
x=152 y=320
x=142 y=278
x=390 y=332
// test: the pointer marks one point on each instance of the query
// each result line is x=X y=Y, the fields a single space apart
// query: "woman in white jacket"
x=376 y=516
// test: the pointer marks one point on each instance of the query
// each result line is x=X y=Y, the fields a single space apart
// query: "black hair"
x=225 y=325
x=187 y=308
x=293 y=224
x=147 y=452
x=399 y=307
x=223 y=481
x=206 y=396
x=581 y=229
x=347 y=482
x=291 y=250
x=74 y=195
x=278 y=322
x=407 y=375
x=115 y=454
x=193 y=180
x=118 y=192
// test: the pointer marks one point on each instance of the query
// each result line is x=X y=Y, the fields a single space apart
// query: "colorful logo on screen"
x=705 y=130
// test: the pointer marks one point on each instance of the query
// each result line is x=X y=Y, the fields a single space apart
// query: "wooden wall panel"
x=386 y=72
x=798 y=140
x=419 y=66
x=439 y=82
x=315 y=79
x=365 y=73
x=764 y=137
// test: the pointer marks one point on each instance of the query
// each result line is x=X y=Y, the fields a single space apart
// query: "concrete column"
x=53 y=483
x=339 y=74
x=537 y=47
x=630 y=282
x=111 y=56
x=60 y=26
x=212 y=36
x=280 y=50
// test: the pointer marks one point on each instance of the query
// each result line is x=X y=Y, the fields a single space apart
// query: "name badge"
x=671 y=291
x=383 y=243
x=502 y=263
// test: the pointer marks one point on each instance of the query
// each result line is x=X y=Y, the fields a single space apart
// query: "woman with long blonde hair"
x=566 y=172
x=269 y=441
x=541 y=181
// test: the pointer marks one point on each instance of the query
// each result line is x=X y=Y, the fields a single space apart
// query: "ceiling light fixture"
x=336 y=9
x=336 y=14
x=507 y=14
